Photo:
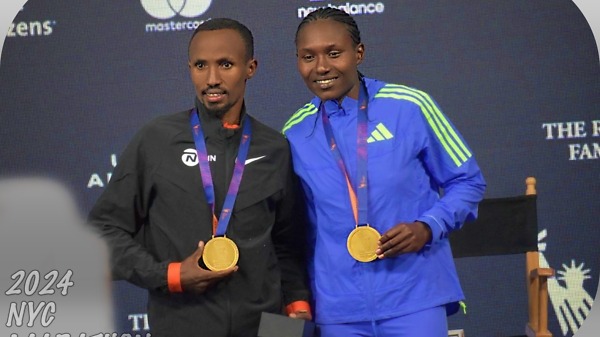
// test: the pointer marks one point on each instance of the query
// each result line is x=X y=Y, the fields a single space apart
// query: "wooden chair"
x=509 y=226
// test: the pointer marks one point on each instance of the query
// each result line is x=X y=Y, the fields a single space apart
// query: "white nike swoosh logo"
x=248 y=161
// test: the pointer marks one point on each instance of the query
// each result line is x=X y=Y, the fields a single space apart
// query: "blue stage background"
x=520 y=80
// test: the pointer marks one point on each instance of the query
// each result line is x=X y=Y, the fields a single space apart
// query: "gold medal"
x=362 y=243
x=220 y=253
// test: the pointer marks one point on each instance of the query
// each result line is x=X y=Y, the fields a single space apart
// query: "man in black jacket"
x=202 y=209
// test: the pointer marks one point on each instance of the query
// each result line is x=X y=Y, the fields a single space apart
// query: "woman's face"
x=328 y=59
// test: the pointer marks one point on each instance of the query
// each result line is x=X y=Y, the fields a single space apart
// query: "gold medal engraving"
x=220 y=253
x=363 y=242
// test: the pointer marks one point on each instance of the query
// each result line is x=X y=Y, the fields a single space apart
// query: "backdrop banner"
x=519 y=79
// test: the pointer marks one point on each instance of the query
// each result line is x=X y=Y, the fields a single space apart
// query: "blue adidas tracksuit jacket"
x=413 y=152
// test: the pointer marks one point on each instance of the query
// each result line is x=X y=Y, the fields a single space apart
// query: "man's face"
x=219 y=69
x=328 y=59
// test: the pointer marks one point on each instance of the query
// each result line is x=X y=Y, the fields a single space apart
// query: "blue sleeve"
x=452 y=167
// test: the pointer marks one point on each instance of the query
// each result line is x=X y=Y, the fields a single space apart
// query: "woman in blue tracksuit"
x=386 y=177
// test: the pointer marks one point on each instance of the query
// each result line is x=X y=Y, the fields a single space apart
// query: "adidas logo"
x=380 y=133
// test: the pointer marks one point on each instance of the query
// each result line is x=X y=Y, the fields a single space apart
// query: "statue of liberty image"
x=571 y=302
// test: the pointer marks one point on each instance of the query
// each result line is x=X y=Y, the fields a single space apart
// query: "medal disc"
x=363 y=242
x=220 y=253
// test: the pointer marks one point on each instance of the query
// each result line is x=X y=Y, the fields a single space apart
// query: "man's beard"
x=217 y=112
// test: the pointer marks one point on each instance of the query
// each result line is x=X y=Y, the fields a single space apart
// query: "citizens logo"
x=365 y=8
x=32 y=28
x=168 y=9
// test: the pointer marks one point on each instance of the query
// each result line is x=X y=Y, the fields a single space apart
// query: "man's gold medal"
x=362 y=243
x=220 y=253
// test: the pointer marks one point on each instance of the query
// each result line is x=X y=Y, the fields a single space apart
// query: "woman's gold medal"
x=362 y=243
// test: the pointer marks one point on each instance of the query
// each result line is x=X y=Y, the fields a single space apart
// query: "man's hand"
x=197 y=279
x=301 y=314
x=403 y=238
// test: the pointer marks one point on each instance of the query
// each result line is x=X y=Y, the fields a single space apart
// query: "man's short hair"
x=226 y=23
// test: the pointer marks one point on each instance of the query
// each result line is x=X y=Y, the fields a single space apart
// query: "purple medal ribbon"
x=207 y=181
x=361 y=155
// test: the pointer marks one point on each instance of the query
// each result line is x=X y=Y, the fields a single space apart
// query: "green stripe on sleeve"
x=299 y=115
x=444 y=120
x=447 y=136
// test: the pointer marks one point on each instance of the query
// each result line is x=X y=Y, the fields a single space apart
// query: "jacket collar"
x=212 y=126
x=349 y=105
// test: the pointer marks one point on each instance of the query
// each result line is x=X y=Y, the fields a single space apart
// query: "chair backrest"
x=509 y=226
x=503 y=226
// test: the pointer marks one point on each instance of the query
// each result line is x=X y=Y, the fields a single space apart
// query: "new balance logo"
x=380 y=133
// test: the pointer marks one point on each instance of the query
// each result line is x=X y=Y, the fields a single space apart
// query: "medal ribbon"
x=357 y=200
x=220 y=225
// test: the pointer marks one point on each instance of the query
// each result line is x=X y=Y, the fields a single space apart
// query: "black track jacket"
x=154 y=212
